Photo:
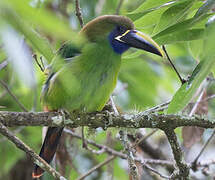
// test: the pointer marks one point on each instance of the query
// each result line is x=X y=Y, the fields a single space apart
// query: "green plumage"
x=86 y=82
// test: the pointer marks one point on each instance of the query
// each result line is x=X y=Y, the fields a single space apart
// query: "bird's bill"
x=139 y=40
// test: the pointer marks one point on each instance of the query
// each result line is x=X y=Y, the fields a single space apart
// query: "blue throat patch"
x=118 y=47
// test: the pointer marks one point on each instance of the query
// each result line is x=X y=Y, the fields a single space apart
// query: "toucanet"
x=87 y=80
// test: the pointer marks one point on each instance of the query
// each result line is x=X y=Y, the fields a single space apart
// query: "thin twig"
x=154 y=171
x=117 y=153
x=157 y=107
x=197 y=102
x=79 y=16
x=194 y=163
x=179 y=76
x=97 y=167
x=37 y=159
x=13 y=96
x=78 y=13
x=119 y=6
x=206 y=99
x=110 y=166
x=3 y=64
x=144 y=138
x=206 y=163
x=114 y=106
x=164 y=105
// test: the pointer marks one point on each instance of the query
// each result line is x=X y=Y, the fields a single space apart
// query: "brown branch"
x=36 y=158
x=78 y=13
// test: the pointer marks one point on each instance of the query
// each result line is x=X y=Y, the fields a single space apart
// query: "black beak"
x=139 y=40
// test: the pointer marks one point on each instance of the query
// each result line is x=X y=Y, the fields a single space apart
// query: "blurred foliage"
x=41 y=26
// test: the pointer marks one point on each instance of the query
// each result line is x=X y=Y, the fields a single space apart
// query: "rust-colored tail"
x=48 y=149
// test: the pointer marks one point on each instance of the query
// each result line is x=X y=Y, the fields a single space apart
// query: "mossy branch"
x=103 y=119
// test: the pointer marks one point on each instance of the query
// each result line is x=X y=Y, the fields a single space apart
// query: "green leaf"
x=173 y=14
x=196 y=48
x=148 y=6
x=149 y=20
x=187 y=35
x=200 y=15
x=188 y=89
x=181 y=26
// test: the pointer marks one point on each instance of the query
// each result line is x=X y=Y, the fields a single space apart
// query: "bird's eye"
x=121 y=29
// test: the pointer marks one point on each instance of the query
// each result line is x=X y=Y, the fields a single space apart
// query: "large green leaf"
x=173 y=14
x=187 y=90
x=187 y=35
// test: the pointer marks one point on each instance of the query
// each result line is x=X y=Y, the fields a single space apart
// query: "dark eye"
x=120 y=29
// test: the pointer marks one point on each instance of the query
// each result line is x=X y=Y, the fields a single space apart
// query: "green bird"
x=87 y=80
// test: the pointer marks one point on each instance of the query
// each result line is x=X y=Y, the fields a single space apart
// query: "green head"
x=121 y=34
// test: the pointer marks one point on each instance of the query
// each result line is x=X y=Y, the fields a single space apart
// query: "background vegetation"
x=40 y=27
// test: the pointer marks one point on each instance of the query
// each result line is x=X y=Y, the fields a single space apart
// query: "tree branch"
x=103 y=119
x=78 y=13
x=183 y=168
